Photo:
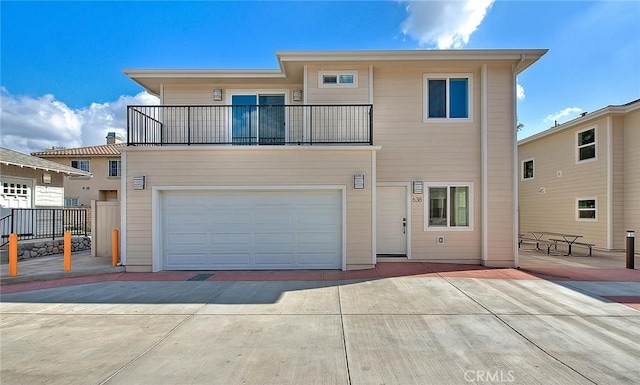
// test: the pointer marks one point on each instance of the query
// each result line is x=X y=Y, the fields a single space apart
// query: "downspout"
x=516 y=260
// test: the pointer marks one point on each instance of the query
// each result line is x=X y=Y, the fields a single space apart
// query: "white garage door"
x=248 y=229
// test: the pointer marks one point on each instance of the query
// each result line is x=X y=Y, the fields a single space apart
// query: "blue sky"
x=61 y=62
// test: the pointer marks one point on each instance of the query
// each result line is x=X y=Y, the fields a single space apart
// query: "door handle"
x=404 y=225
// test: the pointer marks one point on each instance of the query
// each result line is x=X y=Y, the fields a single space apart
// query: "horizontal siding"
x=213 y=167
x=632 y=174
x=338 y=95
x=555 y=210
x=202 y=94
x=500 y=183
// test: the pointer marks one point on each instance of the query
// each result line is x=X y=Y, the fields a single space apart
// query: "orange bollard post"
x=114 y=247
x=67 y=251
x=13 y=255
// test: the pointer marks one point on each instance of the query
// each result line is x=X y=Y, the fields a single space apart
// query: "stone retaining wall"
x=50 y=247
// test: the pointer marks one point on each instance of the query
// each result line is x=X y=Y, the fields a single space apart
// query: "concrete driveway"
x=431 y=328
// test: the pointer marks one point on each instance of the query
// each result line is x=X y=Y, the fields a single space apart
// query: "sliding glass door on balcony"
x=258 y=119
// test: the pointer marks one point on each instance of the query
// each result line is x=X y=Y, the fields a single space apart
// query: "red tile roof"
x=103 y=150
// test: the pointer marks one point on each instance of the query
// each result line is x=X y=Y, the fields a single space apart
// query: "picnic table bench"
x=569 y=239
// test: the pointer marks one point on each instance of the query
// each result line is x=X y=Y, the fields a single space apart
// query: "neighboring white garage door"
x=248 y=229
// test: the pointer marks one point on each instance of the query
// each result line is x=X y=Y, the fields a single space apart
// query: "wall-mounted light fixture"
x=358 y=181
x=46 y=178
x=139 y=182
x=217 y=95
x=297 y=95
x=417 y=187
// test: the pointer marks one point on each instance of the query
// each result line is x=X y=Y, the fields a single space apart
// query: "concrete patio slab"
x=446 y=349
x=536 y=297
x=240 y=349
x=605 y=288
x=70 y=349
x=405 y=296
x=605 y=349
x=276 y=297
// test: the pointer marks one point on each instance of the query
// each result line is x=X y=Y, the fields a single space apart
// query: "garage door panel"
x=273 y=217
x=317 y=260
x=222 y=229
x=273 y=238
x=185 y=238
x=188 y=259
x=271 y=260
x=241 y=260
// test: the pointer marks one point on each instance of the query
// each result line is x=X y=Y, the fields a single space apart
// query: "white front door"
x=391 y=220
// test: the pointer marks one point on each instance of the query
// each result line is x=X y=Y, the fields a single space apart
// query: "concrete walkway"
x=401 y=323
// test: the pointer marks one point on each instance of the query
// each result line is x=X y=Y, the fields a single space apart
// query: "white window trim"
x=425 y=199
x=447 y=76
x=578 y=219
x=78 y=161
x=109 y=168
x=321 y=75
x=595 y=142
x=522 y=178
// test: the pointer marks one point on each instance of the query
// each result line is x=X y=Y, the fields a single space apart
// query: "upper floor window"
x=527 y=169
x=449 y=206
x=114 y=168
x=337 y=79
x=586 y=145
x=80 y=164
x=447 y=96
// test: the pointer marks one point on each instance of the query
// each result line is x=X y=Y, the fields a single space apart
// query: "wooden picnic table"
x=568 y=238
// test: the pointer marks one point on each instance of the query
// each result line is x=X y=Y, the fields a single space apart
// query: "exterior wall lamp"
x=297 y=95
x=358 y=181
x=217 y=95
x=417 y=186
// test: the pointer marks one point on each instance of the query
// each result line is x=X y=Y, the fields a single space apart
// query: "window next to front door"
x=449 y=207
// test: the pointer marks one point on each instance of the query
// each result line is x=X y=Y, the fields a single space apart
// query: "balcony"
x=250 y=125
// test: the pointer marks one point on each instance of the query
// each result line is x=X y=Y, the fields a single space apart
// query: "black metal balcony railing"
x=250 y=124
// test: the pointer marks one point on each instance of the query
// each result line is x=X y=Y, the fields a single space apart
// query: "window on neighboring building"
x=527 y=169
x=338 y=79
x=586 y=145
x=449 y=206
x=71 y=202
x=587 y=209
x=114 y=167
x=447 y=97
x=80 y=164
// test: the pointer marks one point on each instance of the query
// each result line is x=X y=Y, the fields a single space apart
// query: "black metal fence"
x=250 y=124
x=43 y=223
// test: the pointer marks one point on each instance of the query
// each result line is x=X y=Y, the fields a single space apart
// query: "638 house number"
x=416 y=199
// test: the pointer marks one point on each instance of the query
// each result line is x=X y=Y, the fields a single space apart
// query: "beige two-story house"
x=102 y=161
x=335 y=160
x=583 y=177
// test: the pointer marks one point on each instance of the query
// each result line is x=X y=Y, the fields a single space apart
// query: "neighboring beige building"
x=101 y=161
x=583 y=177
x=337 y=160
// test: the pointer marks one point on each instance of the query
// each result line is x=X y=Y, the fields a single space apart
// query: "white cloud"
x=447 y=23
x=520 y=92
x=564 y=115
x=33 y=124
